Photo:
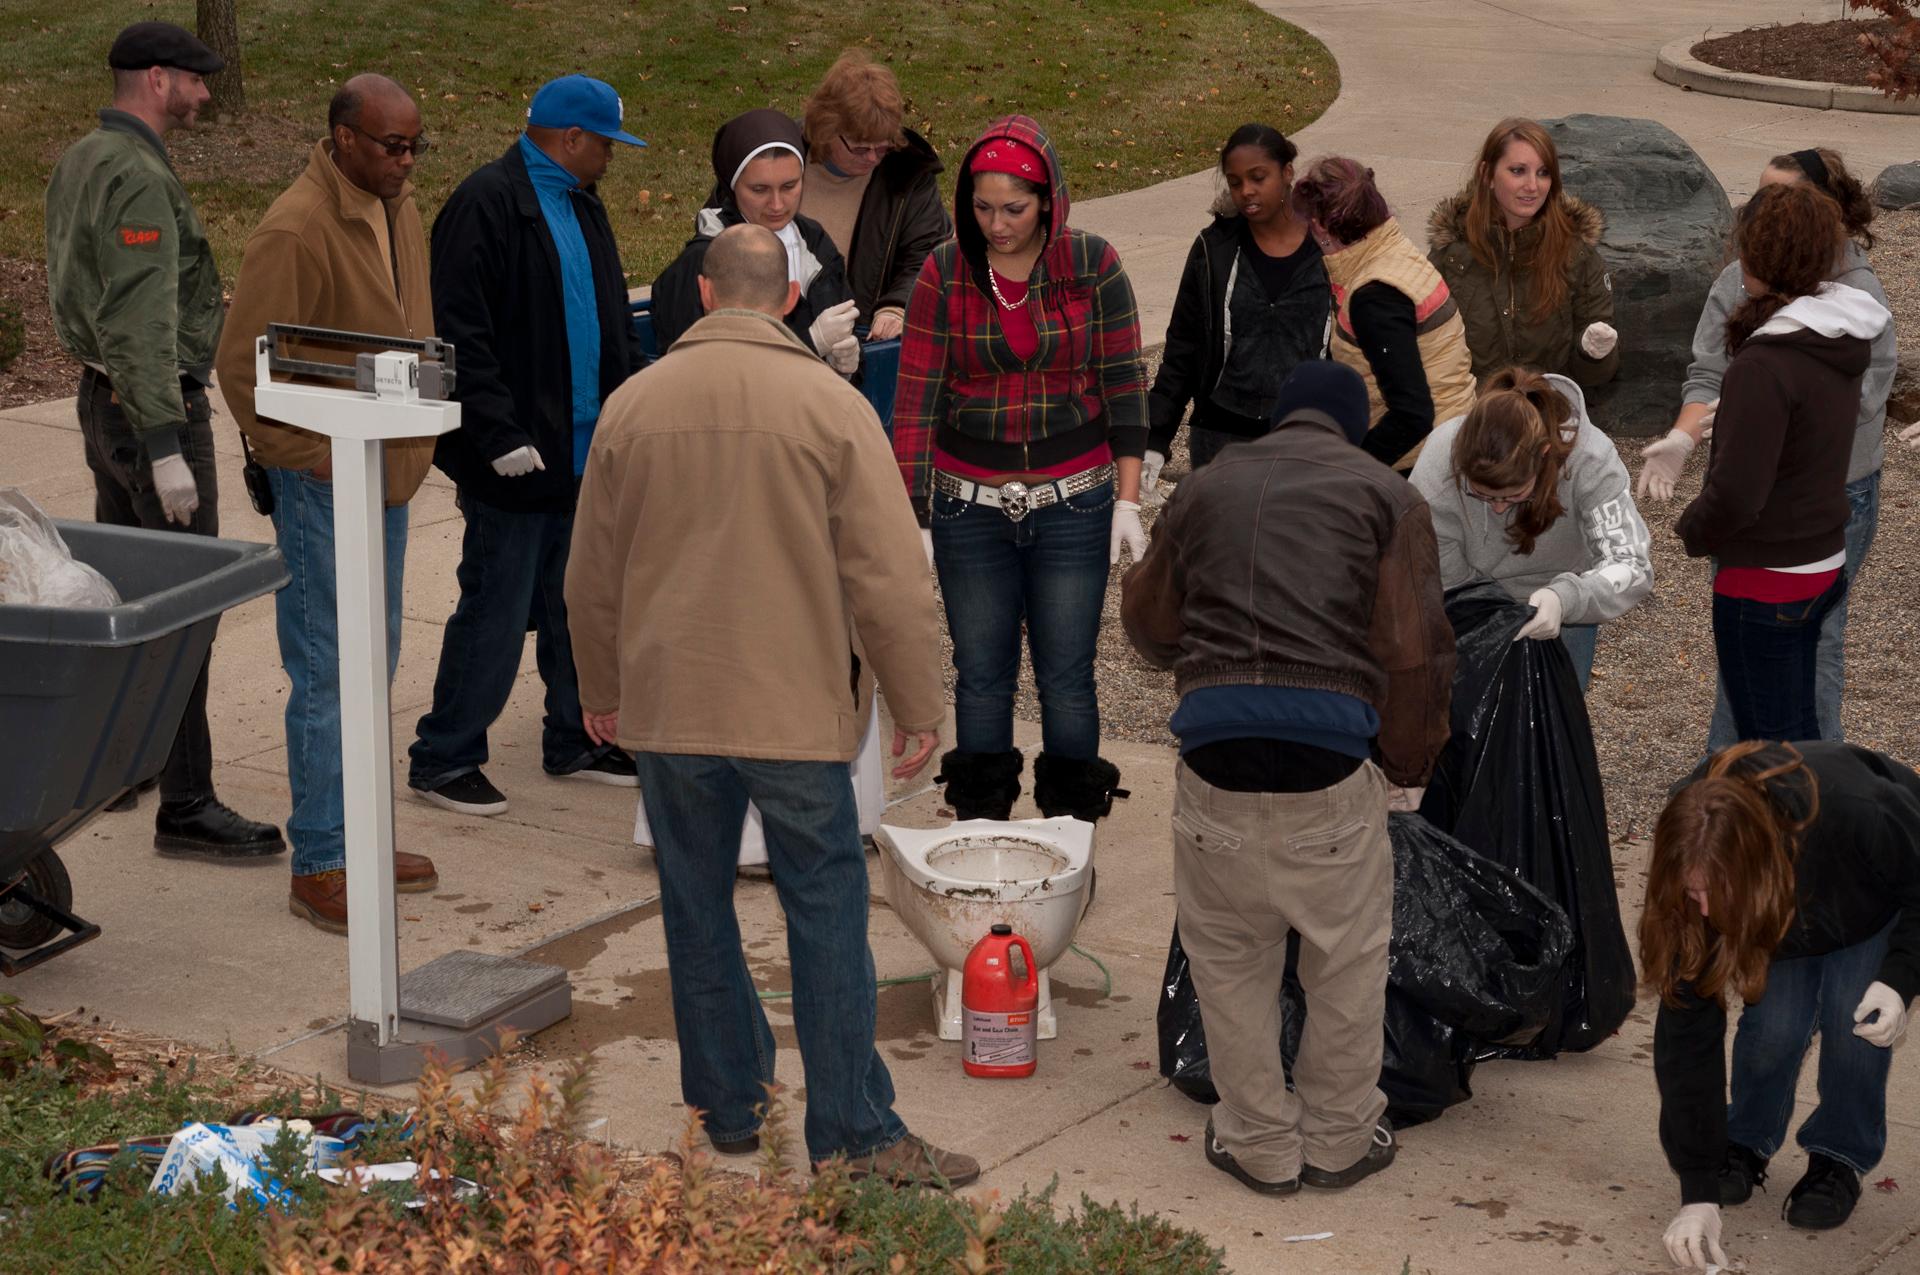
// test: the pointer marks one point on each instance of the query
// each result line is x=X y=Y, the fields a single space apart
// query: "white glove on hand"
x=1404 y=799
x=1126 y=531
x=1665 y=459
x=831 y=328
x=1910 y=435
x=519 y=461
x=1693 y=1237
x=926 y=542
x=1892 y=1023
x=1598 y=340
x=1547 y=609
x=844 y=358
x=173 y=483
x=1150 y=466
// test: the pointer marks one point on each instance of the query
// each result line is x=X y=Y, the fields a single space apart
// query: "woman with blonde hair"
x=1787 y=875
x=874 y=185
x=1395 y=323
x=1528 y=493
x=1520 y=255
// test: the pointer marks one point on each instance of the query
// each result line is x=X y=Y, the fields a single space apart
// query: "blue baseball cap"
x=580 y=101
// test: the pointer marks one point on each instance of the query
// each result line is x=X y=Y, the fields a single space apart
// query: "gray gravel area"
x=1652 y=691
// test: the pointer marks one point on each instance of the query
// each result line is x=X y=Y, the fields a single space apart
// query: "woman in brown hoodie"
x=1519 y=254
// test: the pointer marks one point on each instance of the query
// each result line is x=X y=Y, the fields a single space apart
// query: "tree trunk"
x=219 y=28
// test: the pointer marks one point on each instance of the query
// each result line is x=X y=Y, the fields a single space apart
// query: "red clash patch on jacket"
x=139 y=236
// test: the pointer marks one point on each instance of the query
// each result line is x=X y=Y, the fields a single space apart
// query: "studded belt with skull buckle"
x=1016 y=499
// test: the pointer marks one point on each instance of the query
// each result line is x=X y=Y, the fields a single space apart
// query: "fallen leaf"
x=1179 y=1137
x=1142 y=1065
x=410 y=918
x=536 y=907
x=1886 y=1184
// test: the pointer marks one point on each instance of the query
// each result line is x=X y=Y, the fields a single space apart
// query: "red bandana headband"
x=1014 y=158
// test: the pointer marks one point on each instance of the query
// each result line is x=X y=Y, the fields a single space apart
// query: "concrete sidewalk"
x=1552 y=1164
x=1421 y=82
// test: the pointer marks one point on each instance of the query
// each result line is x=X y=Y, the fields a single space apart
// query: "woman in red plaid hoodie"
x=1019 y=426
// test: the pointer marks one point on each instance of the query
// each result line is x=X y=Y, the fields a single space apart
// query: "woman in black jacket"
x=1253 y=302
x=875 y=185
x=759 y=160
x=1788 y=874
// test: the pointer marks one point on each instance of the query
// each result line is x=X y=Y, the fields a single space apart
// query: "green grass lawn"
x=1133 y=91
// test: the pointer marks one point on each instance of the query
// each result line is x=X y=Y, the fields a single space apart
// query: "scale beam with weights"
x=396 y=387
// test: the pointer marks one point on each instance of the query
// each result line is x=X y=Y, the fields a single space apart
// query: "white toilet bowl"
x=952 y=885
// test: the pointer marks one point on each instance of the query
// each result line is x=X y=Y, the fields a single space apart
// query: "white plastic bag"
x=37 y=568
x=869 y=799
x=239 y=1151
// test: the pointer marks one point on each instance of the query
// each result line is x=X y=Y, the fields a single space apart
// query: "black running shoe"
x=1824 y=1197
x=1222 y=1159
x=615 y=768
x=468 y=794
x=1743 y=1171
x=1380 y=1153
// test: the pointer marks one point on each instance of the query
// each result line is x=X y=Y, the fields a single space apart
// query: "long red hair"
x=1550 y=259
x=1730 y=832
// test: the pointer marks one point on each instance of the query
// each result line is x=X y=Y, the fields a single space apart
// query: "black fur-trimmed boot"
x=980 y=785
x=1082 y=789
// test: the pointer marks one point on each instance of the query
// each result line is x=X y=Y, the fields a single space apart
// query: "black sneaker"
x=736 y=1146
x=1824 y=1196
x=1380 y=1153
x=468 y=794
x=615 y=768
x=206 y=829
x=1222 y=1159
x=1743 y=1171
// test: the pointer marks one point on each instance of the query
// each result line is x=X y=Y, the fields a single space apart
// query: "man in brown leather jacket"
x=1293 y=585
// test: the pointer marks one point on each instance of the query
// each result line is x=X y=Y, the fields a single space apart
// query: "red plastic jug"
x=1001 y=1012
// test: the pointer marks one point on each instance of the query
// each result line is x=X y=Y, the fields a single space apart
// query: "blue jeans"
x=1830 y=678
x=1580 y=639
x=1768 y=653
x=1048 y=571
x=513 y=567
x=1805 y=995
x=695 y=806
x=307 y=617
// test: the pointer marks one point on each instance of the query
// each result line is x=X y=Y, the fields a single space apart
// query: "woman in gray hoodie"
x=1525 y=491
x=1825 y=170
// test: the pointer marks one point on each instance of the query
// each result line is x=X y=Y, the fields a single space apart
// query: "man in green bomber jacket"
x=136 y=299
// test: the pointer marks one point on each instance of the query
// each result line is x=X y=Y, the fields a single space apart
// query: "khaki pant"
x=1249 y=868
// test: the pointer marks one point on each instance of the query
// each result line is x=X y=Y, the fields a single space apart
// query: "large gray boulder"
x=1668 y=227
x=1898 y=187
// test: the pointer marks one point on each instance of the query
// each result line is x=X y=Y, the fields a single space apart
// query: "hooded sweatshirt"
x=964 y=389
x=1596 y=556
x=1710 y=357
x=1775 y=493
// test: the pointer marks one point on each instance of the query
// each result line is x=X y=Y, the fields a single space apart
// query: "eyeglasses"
x=1511 y=502
x=878 y=150
x=416 y=145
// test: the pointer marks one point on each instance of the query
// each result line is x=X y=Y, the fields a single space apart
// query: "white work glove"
x=519 y=461
x=1545 y=623
x=1892 y=1023
x=832 y=327
x=1126 y=531
x=1404 y=799
x=173 y=483
x=1598 y=340
x=1693 y=1237
x=1910 y=435
x=1665 y=459
x=926 y=542
x=1150 y=466
x=844 y=358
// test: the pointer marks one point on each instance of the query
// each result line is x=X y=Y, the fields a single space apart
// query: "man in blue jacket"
x=528 y=287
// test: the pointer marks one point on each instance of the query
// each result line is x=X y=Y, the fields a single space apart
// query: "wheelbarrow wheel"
x=21 y=927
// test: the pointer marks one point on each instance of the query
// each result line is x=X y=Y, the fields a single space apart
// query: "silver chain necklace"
x=993 y=281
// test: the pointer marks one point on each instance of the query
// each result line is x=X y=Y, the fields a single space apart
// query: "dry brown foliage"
x=1899 y=52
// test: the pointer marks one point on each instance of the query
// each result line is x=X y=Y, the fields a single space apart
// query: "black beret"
x=146 y=44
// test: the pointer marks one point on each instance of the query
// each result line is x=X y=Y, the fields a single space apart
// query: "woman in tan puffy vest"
x=1394 y=321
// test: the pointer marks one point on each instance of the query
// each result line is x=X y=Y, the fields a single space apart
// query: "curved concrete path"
x=1421 y=81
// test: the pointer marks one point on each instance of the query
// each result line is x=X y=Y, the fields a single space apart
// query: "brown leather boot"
x=413 y=873
x=913 y=1161
x=321 y=899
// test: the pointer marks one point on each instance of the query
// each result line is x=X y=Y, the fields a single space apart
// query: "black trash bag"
x=1475 y=953
x=1519 y=783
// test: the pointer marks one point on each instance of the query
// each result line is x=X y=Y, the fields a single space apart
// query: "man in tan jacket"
x=341 y=248
x=744 y=562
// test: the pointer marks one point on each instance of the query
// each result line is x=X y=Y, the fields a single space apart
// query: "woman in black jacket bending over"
x=1253 y=302
x=1789 y=875
x=759 y=162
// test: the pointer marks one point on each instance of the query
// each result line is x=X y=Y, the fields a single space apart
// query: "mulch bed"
x=43 y=371
x=1828 y=52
